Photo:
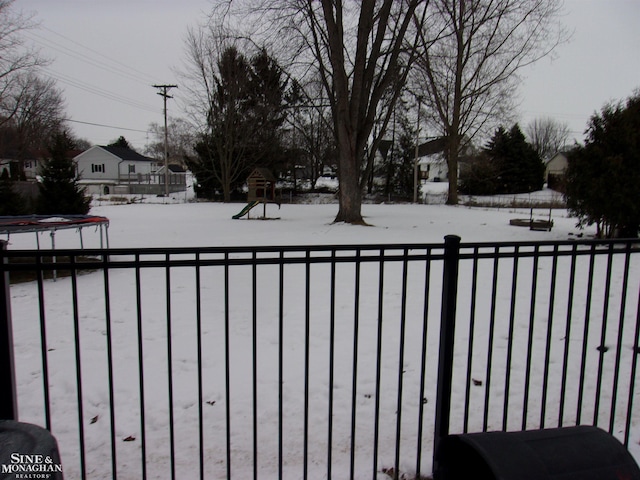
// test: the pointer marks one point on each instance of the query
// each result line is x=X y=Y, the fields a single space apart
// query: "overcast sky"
x=107 y=54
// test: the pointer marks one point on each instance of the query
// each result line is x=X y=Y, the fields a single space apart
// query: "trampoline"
x=10 y=225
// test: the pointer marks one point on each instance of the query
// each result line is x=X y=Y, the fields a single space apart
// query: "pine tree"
x=60 y=192
x=245 y=118
x=402 y=159
x=121 y=142
x=602 y=177
x=519 y=165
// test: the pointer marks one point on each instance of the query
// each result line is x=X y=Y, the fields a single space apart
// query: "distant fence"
x=318 y=361
x=550 y=200
x=150 y=184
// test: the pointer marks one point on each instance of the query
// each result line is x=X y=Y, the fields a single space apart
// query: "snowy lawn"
x=209 y=224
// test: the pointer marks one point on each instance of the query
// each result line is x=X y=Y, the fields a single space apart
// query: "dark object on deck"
x=573 y=453
x=28 y=451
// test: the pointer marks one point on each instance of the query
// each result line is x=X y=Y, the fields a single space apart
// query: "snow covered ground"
x=209 y=224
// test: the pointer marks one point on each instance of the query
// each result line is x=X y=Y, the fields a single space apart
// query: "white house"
x=434 y=168
x=556 y=165
x=106 y=170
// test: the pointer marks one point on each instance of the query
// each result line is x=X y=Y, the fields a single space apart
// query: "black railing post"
x=447 y=333
x=8 y=402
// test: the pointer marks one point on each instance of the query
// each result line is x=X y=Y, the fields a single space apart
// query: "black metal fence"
x=318 y=361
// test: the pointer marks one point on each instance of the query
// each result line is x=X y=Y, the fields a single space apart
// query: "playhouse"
x=261 y=184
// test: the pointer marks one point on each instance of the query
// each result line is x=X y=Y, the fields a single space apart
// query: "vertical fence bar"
x=585 y=335
x=632 y=378
x=307 y=346
x=616 y=368
x=567 y=337
x=112 y=411
x=512 y=319
x=227 y=366
x=43 y=342
x=172 y=443
x=332 y=334
x=547 y=353
x=603 y=336
x=199 y=359
x=376 y=426
x=492 y=325
x=354 y=368
x=254 y=356
x=280 y=361
x=143 y=427
x=8 y=400
x=423 y=360
x=472 y=321
x=76 y=335
x=532 y=312
x=403 y=328
x=447 y=338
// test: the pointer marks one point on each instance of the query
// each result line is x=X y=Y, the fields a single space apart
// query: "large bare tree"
x=311 y=130
x=358 y=74
x=362 y=50
x=16 y=56
x=468 y=76
x=38 y=108
x=548 y=136
x=180 y=140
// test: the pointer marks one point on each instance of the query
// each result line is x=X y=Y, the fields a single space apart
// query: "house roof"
x=556 y=155
x=430 y=147
x=127 y=154
x=264 y=173
x=173 y=169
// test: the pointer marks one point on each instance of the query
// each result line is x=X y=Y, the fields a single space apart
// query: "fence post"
x=447 y=331
x=8 y=403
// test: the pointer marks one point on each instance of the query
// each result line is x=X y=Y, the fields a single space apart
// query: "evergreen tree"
x=11 y=202
x=121 y=142
x=602 y=177
x=509 y=165
x=245 y=116
x=519 y=166
x=60 y=192
x=480 y=177
x=267 y=112
x=398 y=167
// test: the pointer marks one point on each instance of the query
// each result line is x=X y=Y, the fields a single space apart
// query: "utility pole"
x=415 y=161
x=164 y=89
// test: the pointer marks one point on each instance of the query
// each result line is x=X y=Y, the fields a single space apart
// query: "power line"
x=99 y=92
x=105 y=126
x=125 y=72
x=145 y=77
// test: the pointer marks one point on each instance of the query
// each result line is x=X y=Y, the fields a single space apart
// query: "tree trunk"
x=453 y=146
x=453 y=136
x=350 y=199
x=349 y=193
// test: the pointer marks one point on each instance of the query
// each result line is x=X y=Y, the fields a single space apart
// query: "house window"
x=132 y=169
x=97 y=168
